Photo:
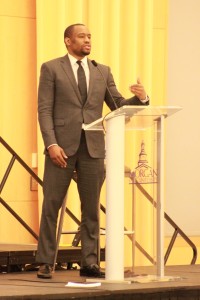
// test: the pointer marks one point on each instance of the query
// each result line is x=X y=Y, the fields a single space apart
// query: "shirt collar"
x=73 y=60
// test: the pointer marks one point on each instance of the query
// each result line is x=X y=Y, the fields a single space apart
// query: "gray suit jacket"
x=60 y=110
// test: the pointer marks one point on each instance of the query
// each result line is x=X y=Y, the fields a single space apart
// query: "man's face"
x=79 y=44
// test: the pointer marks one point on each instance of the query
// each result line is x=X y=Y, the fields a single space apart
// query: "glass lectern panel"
x=142 y=139
x=136 y=117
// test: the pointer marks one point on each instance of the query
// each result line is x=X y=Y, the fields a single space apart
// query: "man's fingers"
x=63 y=154
x=58 y=156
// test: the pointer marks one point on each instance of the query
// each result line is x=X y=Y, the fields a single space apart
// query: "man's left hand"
x=138 y=90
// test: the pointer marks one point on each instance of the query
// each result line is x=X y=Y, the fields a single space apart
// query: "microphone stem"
x=96 y=65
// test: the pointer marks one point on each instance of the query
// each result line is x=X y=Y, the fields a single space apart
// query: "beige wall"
x=183 y=129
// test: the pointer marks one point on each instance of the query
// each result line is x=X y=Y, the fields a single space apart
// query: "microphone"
x=96 y=65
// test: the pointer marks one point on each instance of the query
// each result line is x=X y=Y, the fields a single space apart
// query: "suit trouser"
x=90 y=175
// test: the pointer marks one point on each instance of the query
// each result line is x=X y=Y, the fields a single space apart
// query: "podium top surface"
x=136 y=117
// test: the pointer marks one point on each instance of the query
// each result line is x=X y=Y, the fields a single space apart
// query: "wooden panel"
x=19 y=8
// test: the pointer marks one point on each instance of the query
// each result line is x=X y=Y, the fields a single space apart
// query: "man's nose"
x=87 y=39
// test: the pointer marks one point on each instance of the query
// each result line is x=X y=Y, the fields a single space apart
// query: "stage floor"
x=18 y=279
x=184 y=284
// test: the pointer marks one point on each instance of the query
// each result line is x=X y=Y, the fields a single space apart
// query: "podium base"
x=153 y=278
x=137 y=279
x=104 y=280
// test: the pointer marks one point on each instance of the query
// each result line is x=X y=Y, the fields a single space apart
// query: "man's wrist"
x=51 y=146
x=145 y=100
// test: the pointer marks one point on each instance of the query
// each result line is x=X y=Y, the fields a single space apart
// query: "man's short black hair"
x=69 y=30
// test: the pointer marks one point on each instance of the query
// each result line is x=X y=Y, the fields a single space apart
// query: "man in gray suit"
x=65 y=103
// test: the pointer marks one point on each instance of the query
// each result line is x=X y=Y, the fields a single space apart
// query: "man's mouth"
x=87 y=47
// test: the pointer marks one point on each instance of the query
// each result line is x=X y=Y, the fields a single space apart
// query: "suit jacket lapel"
x=92 y=78
x=65 y=63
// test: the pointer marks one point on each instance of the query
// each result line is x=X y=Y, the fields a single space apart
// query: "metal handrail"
x=16 y=157
x=177 y=229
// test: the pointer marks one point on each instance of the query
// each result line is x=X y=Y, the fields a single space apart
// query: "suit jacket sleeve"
x=118 y=98
x=45 y=105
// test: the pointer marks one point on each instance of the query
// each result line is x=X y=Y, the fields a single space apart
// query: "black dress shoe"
x=92 y=271
x=45 y=271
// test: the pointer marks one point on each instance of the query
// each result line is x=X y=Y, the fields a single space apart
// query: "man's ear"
x=67 y=41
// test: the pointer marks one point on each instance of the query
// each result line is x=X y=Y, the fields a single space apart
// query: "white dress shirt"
x=75 y=66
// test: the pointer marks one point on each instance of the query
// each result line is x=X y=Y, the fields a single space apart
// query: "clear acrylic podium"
x=133 y=118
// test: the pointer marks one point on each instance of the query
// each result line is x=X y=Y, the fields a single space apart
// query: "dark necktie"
x=82 y=82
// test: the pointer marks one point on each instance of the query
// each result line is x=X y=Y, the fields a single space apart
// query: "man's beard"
x=85 y=53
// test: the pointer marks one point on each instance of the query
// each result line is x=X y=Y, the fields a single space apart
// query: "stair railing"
x=15 y=157
x=177 y=229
